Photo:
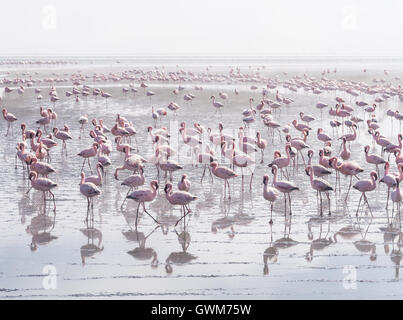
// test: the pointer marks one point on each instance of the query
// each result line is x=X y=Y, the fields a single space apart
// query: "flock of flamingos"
x=356 y=110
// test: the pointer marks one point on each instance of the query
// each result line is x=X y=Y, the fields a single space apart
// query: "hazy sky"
x=269 y=27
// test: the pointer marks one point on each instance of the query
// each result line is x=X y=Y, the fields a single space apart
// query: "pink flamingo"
x=318 y=170
x=89 y=153
x=261 y=144
x=133 y=182
x=299 y=144
x=389 y=179
x=26 y=134
x=184 y=183
x=350 y=136
x=282 y=162
x=270 y=194
x=96 y=179
x=181 y=198
x=324 y=160
x=10 y=118
x=48 y=142
x=23 y=155
x=323 y=136
x=284 y=186
x=205 y=159
x=216 y=104
x=373 y=158
x=144 y=195
x=345 y=154
x=225 y=174
x=89 y=190
x=62 y=135
x=347 y=168
x=41 y=168
x=306 y=118
x=366 y=186
x=82 y=121
x=45 y=120
x=42 y=184
x=131 y=163
x=320 y=186
x=300 y=126
x=397 y=196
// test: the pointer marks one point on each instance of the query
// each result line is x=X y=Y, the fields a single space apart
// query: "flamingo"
x=181 y=198
x=44 y=185
x=62 y=135
x=10 y=118
x=205 y=159
x=133 y=181
x=184 y=183
x=345 y=154
x=389 y=179
x=89 y=153
x=216 y=104
x=396 y=196
x=373 y=158
x=284 y=186
x=261 y=144
x=282 y=162
x=144 y=195
x=223 y=173
x=306 y=118
x=320 y=186
x=41 y=168
x=318 y=170
x=365 y=186
x=270 y=194
x=96 y=179
x=132 y=163
x=347 y=168
x=89 y=190
x=83 y=120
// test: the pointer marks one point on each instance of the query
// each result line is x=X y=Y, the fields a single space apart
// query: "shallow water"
x=228 y=238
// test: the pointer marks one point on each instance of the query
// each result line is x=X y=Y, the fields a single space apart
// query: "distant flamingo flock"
x=356 y=114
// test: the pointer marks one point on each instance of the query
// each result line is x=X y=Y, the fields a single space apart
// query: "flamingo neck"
x=311 y=175
x=99 y=172
x=275 y=177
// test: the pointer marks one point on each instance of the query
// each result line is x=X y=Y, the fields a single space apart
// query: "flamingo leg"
x=369 y=207
x=303 y=159
x=387 y=201
x=328 y=198
x=82 y=168
x=144 y=207
x=289 y=202
x=89 y=164
x=359 y=202
x=285 y=205
x=271 y=213
x=320 y=196
x=251 y=178
x=88 y=209
x=54 y=201
x=137 y=215
x=130 y=189
x=349 y=187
